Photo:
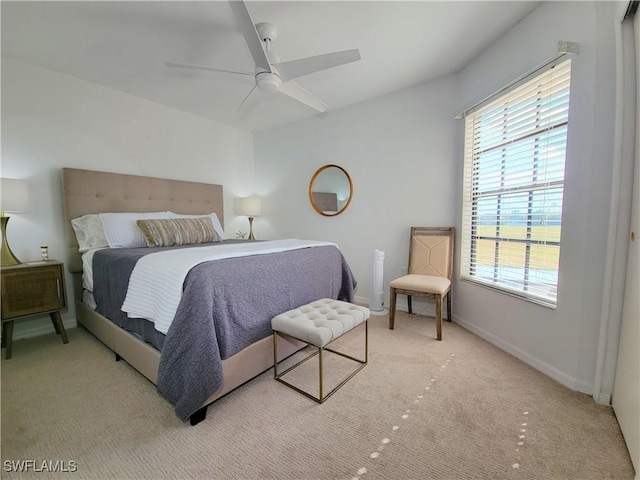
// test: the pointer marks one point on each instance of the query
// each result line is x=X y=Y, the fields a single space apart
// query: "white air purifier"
x=376 y=306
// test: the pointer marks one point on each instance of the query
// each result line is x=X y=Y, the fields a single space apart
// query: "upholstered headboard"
x=88 y=191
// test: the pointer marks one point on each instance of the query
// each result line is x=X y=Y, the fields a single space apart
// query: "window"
x=515 y=148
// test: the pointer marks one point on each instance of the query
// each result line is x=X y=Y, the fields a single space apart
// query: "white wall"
x=561 y=342
x=398 y=150
x=50 y=121
x=404 y=152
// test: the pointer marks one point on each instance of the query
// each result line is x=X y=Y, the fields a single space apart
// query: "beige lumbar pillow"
x=178 y=231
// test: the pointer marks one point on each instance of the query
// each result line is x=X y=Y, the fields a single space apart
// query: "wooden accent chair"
x=430 y=269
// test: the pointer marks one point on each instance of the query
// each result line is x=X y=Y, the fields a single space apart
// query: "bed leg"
x=118 y=358
x=198 y=416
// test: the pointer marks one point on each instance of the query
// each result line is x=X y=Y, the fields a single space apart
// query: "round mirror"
x=330 y=190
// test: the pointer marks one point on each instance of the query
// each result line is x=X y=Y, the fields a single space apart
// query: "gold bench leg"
x=319 y=350
x=320 y=375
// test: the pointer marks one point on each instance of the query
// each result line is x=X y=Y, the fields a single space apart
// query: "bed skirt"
x=237 y=369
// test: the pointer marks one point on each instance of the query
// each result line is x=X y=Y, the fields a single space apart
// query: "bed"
x=91 y=192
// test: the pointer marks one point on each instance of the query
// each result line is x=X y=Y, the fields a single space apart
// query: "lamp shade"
x=249 y=206
x=14 y=195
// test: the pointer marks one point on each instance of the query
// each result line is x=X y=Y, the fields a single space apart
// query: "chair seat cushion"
x=422 y=283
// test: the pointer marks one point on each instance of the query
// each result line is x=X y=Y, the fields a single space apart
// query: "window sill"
x=512 y=293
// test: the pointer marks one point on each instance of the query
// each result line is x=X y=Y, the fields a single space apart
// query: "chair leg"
x=439 y=316
x=449 y=317
x=392 y=307
x=410 y=309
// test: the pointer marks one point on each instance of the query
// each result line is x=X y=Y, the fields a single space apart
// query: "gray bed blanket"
x=226 y=306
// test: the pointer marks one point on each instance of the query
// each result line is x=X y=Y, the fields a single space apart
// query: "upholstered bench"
x=318 y=324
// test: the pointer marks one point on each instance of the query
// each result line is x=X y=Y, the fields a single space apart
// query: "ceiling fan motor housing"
x=268 y=82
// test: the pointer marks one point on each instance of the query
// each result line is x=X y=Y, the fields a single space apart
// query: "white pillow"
x=121 y=231
x=89 y=232
x=217 y=226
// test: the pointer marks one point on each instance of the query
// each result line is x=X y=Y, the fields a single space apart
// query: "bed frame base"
x=237 y=370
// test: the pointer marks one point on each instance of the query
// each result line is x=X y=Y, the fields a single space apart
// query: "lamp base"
x=7 y=257
x=251 y=237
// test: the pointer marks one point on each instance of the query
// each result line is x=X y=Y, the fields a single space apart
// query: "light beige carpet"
x=421 y=409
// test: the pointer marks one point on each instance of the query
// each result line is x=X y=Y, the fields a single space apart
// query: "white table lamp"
x=250 y=207
x=14 y=197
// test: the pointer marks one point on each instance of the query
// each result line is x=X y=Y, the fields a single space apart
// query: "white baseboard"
x=549 y=370
x=420 y=307
x=364 y=301
x=428 y=309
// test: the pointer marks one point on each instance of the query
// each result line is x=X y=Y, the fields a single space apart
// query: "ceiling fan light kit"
x=268 y=82
x=271 y=75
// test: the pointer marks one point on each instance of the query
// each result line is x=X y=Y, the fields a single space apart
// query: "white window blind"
x=515 y=149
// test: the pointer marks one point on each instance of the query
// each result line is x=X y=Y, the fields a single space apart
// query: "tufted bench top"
x=320 y=322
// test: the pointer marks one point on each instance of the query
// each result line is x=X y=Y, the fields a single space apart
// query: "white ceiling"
x=123 y=45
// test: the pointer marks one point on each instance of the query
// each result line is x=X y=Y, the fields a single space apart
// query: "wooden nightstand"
x=32 y=289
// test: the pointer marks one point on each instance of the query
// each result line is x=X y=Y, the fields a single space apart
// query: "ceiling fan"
x=272 y=75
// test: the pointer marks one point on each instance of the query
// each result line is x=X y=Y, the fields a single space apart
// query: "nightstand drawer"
x=32 y=291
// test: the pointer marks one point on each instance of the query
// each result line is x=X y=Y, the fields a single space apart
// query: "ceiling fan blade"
x=246 y=98
x=250 y=34
x=202 y=67
x=304 y=66
x=293 y=90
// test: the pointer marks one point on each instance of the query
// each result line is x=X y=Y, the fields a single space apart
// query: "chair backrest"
x=431 y=251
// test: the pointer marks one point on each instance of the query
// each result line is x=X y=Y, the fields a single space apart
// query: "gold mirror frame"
x=315 y=206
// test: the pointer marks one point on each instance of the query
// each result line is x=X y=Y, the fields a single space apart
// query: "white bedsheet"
x=155 y=286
